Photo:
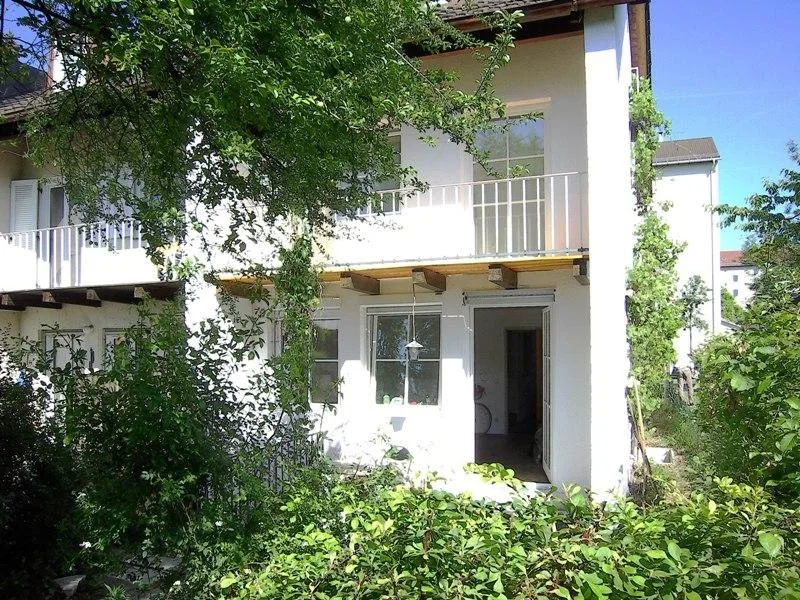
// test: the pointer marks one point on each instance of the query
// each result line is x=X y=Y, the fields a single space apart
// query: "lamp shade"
x=413 y=348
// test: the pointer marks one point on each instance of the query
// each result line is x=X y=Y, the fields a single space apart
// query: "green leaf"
x=227 y=581
x=771 y=542
x=674 y=550
x=742 y=383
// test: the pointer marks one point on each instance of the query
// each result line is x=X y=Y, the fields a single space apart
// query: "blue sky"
x=729 y=69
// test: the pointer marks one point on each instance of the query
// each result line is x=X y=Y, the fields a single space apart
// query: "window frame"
x=315 y=361
x=371 y=330
x=49 y=355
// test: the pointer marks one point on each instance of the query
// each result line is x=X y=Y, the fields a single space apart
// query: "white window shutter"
x=24 y=204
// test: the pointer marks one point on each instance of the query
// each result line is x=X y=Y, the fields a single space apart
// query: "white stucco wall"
x=441 y=437
x=691 y=190
x=545 y=75
x=608 y=76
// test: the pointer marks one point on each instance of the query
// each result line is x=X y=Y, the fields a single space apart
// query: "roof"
x=732 y=258
x=462 y=9
x=11 y=109
x=454 y=10
x=675 y=152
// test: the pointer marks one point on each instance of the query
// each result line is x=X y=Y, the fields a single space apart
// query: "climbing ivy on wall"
x=654 y=309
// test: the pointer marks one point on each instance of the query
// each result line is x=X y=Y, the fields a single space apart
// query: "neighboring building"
x=737 y=275
x=514 y=287
x=86 y=278
x=688 y=180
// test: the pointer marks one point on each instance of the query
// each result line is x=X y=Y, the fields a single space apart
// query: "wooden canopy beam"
x=120 y=296
x=580 y=271
x=429 y=279
x=503 y=277
x=71 y=298
x=32 y=300
x=361 y=283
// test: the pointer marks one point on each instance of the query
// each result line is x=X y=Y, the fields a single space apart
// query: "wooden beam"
x=113 y=295
x=361 y=283
x=25 y=300
x=580 y=271
x=502 y=276
x=71 y=298
x=158 y=292
x=7 y=304
x=429 y=279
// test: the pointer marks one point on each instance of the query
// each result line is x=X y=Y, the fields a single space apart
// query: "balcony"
x=96 y=254
x=535 y=216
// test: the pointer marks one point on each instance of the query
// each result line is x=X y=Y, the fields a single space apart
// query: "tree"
x=772 y=220
x=654 y=311
x=731 y=310
x=694 y=294
x=274 y=114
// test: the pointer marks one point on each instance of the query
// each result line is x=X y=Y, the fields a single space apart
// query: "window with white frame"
x=325 y=362
x=397 y=379
x=63 y=347
x=512 y=190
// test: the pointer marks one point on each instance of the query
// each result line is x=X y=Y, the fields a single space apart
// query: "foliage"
x=647 y=125
x=731 y=310
x=749 y=401
x=375 y=538
x=694 y=294
x=654 y=312
x=36 y=494
x=772 y=219
x=263 y=111
x=167 y=438
x=675 y=425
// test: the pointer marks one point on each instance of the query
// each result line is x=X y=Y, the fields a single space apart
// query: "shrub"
x=378 y=539
x=748 y=397
x=37 y=493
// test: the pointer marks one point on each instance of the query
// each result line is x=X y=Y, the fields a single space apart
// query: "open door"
x=546 y=396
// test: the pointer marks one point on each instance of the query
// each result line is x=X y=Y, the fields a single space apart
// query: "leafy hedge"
x=375 y=538
x=749 y=401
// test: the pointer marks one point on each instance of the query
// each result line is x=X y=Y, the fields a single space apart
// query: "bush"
x=748 y=402
x=37 y=494
x=374 y=538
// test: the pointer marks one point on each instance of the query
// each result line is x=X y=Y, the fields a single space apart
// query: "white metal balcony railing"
x=533 y=215
x=75 y=255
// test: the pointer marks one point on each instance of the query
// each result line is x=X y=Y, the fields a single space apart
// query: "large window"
x=62 y=347
x=509 y=215
x=397 y=379
x=325 y=362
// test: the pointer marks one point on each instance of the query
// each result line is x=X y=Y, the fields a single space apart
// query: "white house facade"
x=512 y=288
x=688 y=180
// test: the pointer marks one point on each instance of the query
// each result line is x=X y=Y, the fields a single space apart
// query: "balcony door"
x=509 y=197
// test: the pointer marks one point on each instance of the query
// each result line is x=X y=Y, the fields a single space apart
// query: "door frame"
x=512 y=301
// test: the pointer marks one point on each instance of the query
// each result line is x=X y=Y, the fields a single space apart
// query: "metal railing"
x=521 y=215
x=55 y=256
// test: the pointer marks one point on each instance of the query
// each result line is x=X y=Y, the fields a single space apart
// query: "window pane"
x=326 y=339
x=390 y=382
x=391 y=336
x=324 y=382
x=527 y=166
x=493 y=141
x=526 y=138
x=423 y=382
x=428 y=334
